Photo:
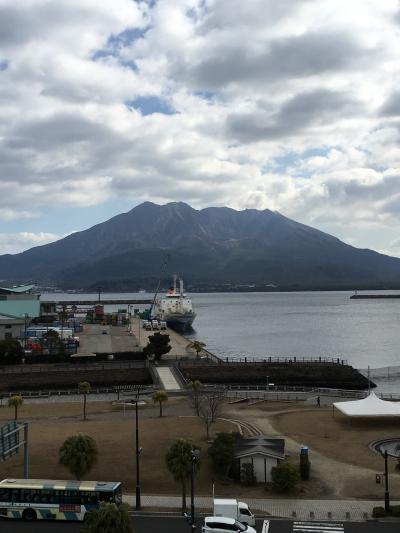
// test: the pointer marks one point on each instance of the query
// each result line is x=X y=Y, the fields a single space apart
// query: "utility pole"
x=138 y=452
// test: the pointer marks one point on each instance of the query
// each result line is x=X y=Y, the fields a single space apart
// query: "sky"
x=289 y=105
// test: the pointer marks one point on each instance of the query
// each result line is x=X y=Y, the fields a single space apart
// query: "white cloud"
x=11 y=243
x=286 y=105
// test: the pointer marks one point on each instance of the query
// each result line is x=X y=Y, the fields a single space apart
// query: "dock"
x=125 y=301
x=374 y=296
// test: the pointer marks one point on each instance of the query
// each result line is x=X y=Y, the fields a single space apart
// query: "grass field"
x=114 y=433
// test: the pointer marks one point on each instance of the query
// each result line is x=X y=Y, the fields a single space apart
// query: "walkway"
x=301 y=509
x=167 y=379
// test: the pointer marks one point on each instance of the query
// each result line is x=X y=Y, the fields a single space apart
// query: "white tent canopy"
x=369 y=406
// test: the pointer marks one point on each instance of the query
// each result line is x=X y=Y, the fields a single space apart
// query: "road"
x=164 y=524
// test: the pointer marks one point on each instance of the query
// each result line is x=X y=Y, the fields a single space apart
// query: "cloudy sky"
x=289 y=105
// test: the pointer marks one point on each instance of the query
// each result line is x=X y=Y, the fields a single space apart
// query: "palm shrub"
x=197 y=346
x=78 y=454
x=284 y=477
x=84 y=388
x=194 y=395
x=179 y=463
x=160 y=396
x=108 y=518
x=15 y=401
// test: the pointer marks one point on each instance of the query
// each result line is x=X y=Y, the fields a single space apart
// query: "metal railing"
x=112 y=365
x=337 y=361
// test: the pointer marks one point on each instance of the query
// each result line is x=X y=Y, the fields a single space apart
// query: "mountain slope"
x=212 y=245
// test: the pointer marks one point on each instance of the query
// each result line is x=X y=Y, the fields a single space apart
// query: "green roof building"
x=19 y=301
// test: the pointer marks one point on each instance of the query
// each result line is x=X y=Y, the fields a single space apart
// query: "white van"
x=238 y=510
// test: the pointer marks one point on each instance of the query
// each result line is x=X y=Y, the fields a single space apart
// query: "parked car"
x=163 y=324
x=222 y=524
x=154 y=323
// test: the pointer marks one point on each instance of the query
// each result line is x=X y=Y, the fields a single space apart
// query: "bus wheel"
x=29 y=515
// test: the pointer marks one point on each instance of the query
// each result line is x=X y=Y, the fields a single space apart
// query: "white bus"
x=34 y=499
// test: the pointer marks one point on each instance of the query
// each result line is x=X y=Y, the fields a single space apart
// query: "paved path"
x=167 y=378
x=285 y=508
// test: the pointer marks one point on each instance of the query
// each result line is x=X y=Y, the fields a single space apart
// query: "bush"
x=11 y=352
x=221 y=453
x=378 y=512
x=284 y=477
x=247 y=475
x=395 y=510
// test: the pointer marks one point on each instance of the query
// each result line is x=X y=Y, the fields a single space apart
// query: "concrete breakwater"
x=299 y=374
x=127 y=344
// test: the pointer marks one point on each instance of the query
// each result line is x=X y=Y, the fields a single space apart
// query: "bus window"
x=15 y=495
x=106 y=496
x=4 y=495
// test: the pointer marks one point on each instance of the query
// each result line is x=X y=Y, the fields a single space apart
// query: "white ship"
x=175 y=308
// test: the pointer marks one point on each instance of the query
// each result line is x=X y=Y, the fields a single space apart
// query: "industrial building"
x=11 y=326
x=19 y=301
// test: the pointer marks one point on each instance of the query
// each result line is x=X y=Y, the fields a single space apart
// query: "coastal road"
x=165 y=524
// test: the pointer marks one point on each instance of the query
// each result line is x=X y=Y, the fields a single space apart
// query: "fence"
x=112 y=365
x=118 y=389
x=185 y=361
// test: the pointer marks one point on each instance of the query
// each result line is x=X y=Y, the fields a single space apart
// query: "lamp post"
x=25 y=320
x=387 y=497
x=195 y=458
x=138 y=452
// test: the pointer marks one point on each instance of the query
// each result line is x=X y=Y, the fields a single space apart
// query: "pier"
x=125 y=301
x=374 y=296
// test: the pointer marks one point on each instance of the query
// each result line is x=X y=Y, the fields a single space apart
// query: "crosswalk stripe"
x=317 y=527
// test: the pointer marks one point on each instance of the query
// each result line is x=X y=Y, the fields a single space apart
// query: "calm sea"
x=303 y=324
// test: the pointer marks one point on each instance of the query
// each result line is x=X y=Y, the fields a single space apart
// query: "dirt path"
x=332 y=478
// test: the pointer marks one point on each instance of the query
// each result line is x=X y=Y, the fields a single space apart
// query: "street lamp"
x=387 y=497
x=195 y=455
x=25 y=320
x=138 y=452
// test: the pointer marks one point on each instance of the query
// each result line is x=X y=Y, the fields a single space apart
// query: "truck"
x=231 y=508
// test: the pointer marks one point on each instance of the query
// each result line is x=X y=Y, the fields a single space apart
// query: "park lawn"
x=338 y=436
x=115 y=438
x=32 y=411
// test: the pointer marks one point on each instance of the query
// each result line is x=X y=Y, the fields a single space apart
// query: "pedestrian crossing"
x=317 y=527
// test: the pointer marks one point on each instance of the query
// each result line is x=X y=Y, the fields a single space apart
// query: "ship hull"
x=180 y=322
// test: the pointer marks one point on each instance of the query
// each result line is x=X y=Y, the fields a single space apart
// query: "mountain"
x=213 y=247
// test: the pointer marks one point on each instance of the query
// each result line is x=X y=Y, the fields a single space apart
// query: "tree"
x=194 y=395
x=158 y=346
x=160 y=396
x=55 y=345
x=284 y=477
x=179 y=463
x=11 y=352
x=247 y=476
x=197 y=346
x=221 y=453
x=210 y=407
x=78 y=454
x=108 y=518
x=84 y=388
x=15 y=401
